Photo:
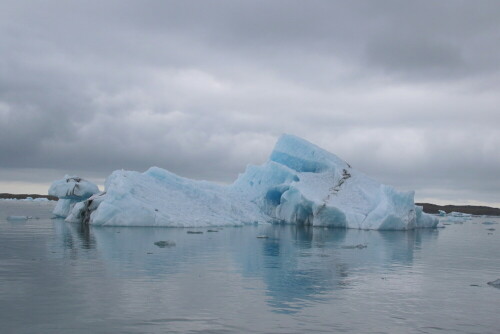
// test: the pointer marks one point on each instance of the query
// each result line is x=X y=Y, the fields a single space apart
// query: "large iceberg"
x=299 y=184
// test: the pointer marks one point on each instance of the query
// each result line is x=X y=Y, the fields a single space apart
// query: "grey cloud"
x=405 y=91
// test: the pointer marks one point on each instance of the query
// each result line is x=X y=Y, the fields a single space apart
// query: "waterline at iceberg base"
x=300 y=184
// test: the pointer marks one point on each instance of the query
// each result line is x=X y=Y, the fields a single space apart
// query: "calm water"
x=57 y=277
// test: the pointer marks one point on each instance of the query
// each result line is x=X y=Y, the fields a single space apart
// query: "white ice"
x=70 y=190
x=73 y=187
x=300 y=184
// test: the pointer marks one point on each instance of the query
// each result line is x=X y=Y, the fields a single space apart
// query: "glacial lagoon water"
x=57 y=277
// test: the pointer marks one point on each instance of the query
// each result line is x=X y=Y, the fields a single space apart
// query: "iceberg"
x=300 y=184
x=70 y=190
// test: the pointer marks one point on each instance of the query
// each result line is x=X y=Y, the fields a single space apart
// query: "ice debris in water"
x=299 y=184
x=18 y=217
x=163 y=244
x=359 y=246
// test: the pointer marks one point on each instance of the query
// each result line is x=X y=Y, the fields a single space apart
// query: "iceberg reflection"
x=297 y=264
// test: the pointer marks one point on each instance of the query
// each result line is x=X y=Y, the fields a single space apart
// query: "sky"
x=405 y=91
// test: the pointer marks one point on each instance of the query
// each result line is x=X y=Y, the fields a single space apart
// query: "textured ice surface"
x=70 y=190
x=73 y=187
x=300 y=184
x=64 y=207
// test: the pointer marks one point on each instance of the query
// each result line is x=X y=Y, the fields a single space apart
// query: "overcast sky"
x=405 y=91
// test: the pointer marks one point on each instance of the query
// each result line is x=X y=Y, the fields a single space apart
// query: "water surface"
x=57 y=277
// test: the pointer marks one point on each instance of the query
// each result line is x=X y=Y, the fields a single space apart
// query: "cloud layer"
x=405 y=91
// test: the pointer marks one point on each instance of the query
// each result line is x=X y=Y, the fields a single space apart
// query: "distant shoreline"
x=428 y=207
x=470 y=209
x=23 y=196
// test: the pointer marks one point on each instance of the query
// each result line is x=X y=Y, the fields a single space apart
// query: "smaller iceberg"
x=18 y=217
x=456 y=217
x=70 y=190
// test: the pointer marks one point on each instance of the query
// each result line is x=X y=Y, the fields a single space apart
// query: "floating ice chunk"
x=442 y=213
x=459 y=214
x=70 y=190
x=164 y=244
x=18 y=217
x=73 y=187
x=300 y=184
x=358 y=246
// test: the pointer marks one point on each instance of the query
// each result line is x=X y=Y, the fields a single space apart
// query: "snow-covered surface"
x=300 y=184
x=456 y=217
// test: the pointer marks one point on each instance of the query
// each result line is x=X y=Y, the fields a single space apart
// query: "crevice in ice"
x=273 y=195
x=336 y=188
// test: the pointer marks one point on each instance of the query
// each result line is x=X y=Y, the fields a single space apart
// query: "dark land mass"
x=471 y=209
x=428 y=207
x=23 y=196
